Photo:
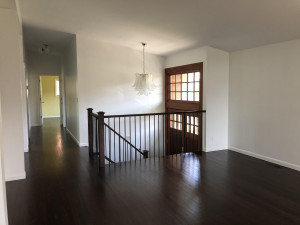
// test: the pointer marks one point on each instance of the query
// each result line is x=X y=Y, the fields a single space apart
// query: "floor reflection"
x=64 y=186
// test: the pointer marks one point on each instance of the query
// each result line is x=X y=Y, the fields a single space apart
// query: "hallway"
x=64 y=187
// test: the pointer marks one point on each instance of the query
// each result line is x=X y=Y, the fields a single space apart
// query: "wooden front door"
x=183 y=92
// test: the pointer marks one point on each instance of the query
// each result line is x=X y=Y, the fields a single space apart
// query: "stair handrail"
x=124 y=139
x=101 y=131
x=152 y=114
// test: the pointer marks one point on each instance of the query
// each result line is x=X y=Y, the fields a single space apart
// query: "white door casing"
x=3 y=205
x=41 y=101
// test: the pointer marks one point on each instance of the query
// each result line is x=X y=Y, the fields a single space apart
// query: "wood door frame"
x=184 y=105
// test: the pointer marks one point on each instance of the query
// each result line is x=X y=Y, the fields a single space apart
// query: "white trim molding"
x=35 y=125
x=13 y=177
x=83 y=144
x=266 y=158
x=73 y=137
x=213 y=149
x=80 y=144
x=3 y=204
x=45 y=117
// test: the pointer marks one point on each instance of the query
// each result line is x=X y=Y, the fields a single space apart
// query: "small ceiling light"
x=143 y=81
x=44 y=49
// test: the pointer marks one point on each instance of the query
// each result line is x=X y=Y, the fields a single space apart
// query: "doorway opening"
x=50 y=96
x=184 y=92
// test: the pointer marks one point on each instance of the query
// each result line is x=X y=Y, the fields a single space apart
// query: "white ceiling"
x=169 y=26
x=35 y=38
x=7 y=4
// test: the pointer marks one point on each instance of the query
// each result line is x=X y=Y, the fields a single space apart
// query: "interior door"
x=183 y=93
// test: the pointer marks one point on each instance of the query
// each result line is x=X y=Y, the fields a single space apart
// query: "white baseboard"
x=213 y=150
x=20 y=176
x=35 y=125
x=83 y=144
x=74 y=138
x=266 y=158
x=45 y=117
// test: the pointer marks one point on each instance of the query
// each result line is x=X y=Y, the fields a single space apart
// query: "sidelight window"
x=192 y=125
x=176 y=121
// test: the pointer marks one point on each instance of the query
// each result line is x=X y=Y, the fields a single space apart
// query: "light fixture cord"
x=144 y=57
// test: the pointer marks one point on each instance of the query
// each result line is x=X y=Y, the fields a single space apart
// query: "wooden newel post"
x=101 y=138
x=90 y=131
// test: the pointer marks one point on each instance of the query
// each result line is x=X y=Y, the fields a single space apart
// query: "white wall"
x=71 y=98
x=39 y=64
x=3 y=205
x=216 y=96
x=24 y=96
x=62 y=96
x=187 y=57
x=11 y=89
x=106 y=74
x=215 y=92
x=264 y=105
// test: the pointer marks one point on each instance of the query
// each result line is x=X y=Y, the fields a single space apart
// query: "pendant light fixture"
x=143 y=81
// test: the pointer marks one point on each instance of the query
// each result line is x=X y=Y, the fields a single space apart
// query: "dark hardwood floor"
x=64 y=187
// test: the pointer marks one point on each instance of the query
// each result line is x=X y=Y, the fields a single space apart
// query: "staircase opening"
x=132 y=137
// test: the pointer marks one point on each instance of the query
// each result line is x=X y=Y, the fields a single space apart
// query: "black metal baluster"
x=154 y=135
x=124 y=151
x=168 y=144
x=97 y=137
x=164 y=135
x=182 y=131
x=199 y=141
x=145 y=133
x=114 y=140
x=135 y=137
x=125 y=155
x=188 y=130
x=140 y=136
x=130 y=137
x=177 y=143
x=149 y=136
x=104 y=142
x=194 y=130
x=178 y=135
x=185 y=132
x=120 y=140
x=109 y=136
x=158 y=137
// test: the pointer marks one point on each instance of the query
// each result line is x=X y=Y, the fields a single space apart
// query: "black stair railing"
x=131 y=137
